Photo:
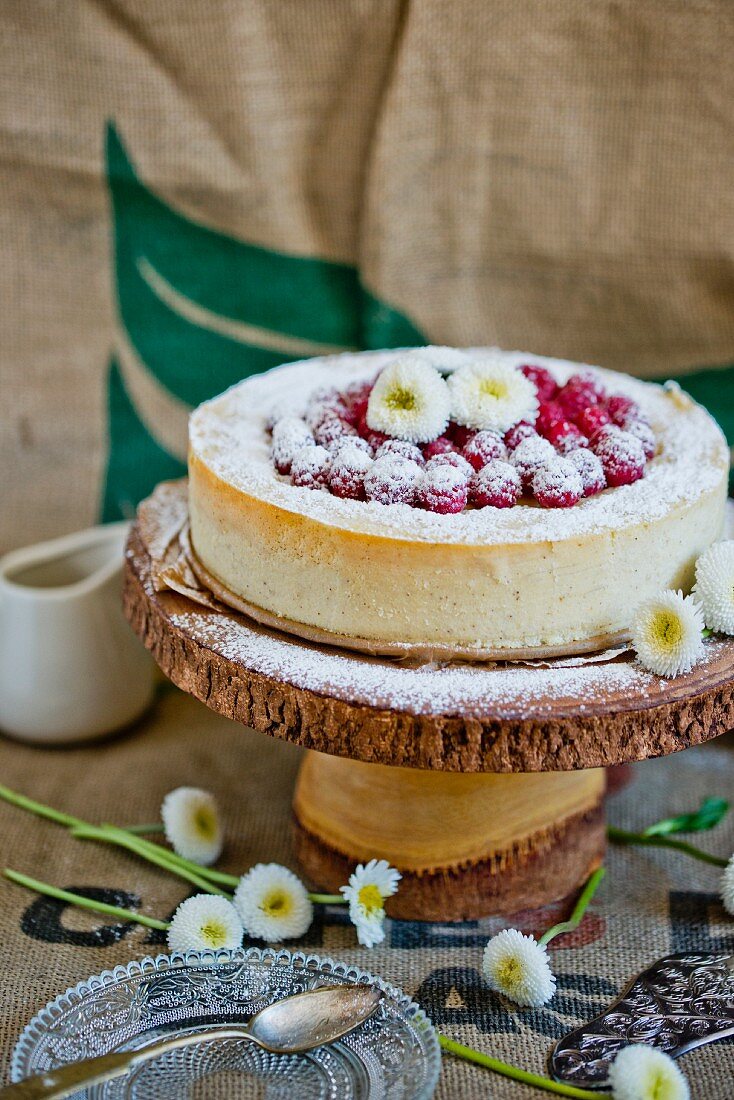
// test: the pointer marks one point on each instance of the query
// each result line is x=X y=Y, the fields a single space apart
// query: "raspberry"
x=621 y=408
x=331 y=427
x=566 y=437
x=521 y=431
x=484 y=447
x=375 y=439
x=543 y=381
x=392 y=480
x=352 y=440
x=356 y=398
x=622 y=455
x=349 y=466
x=440 y=446
x=444 y=489
x=401 y=447
x=558 y=485
x=641 y=430
x=322 y=403
x=530 y=455
x=592 y=419
x=549 y=413
x=590 y=469
x=310 y=468
x=452 y=458
x=289 y=435
x=581 y=391
x=459 y=434
x=496 y=485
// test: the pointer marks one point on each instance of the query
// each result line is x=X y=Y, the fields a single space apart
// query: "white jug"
x=71 y=668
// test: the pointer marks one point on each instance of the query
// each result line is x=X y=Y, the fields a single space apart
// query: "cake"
x=454 y=502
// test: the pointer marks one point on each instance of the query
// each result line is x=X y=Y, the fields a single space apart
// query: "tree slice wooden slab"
x=560 y=715
x=466 y=845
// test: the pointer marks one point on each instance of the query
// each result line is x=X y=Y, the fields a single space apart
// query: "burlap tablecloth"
x=652 y=901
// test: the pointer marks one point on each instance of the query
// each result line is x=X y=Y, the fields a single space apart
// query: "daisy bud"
x=192 y=825
x=517 y=966
x=409 y=400
x=273 y=903
x=641 y=1072
x=666 y=633
x=205 y=922
x=489 y=393
x=714 y=588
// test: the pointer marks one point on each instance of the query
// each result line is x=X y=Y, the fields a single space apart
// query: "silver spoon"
x=302 y=1022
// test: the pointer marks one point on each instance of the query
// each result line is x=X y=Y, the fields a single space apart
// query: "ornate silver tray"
x=393 y=1055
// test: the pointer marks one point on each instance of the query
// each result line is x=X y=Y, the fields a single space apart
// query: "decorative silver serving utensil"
x=289 y=1026
x=680 y=1002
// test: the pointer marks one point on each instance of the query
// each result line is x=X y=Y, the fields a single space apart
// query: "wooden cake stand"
x=411 y=764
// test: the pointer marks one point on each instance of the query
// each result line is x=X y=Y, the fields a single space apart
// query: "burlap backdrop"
x=194 y=190
x=652 y=901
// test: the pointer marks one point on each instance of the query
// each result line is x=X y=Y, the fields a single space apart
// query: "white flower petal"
x=643 y=1073
x=192 y=825
x=273 y=903
x=666 y=633
x=489 y=393
x=518 y=967
x=727 y=887
x=205 y=922
x=444 y=359
x=714 y=588
x=409 y=400
x=368 y=886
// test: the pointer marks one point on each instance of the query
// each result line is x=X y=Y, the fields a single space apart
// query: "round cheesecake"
x=489 y=581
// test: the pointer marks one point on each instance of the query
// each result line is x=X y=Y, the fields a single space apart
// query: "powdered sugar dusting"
x=229 y=435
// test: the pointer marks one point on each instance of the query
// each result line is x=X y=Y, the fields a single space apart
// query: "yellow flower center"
x=278 y=903
x=666 y=630
x=213 y=933
x=398 y=397
x=370 y=898
x=205 y=822
x=493 y=387
x=509 y=972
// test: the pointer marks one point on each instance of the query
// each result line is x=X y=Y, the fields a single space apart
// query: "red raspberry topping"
x=349 y=466
x=591 y=420
x=356 y=398
x=331 y=427
x=310 y=468
x=322 y=403
x=353 y=441
x=591 y=470
x=289 y=435
x=392 y=480
x=566 y=437
x=484 y=447
x=444 y=488
x=440 y=446
x=558 y=485
x=375 y=439
x=451 y=458
x=622 y=455
x=401 y=447
x=515 y=435
x=542 y=379
x=496 y=485
x=459 y=434
x=530 y=455
x=641 y=430
x=621 y=408
x=581 y=391
x=549 y=413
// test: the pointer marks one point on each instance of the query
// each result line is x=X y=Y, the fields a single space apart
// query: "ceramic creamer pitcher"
x=71 y=668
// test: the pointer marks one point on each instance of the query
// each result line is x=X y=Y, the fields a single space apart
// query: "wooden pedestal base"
x=467 y=845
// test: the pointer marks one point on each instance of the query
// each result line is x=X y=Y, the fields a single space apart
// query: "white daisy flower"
x=409 y=400
x=192 y=825
x=666 y=633
x=205 y=922
x=368 y=886
x=727 y=887
x=714 y=588
x=273 y=903
x=641 y=1072
x=444 y=359
x=518 y=966
x=489 y=393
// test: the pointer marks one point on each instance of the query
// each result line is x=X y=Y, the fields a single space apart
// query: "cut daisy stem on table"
x=82 y=902
x=534 y=1080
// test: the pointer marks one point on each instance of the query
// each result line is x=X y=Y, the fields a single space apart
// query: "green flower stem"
x=82 y=902
x=579 y=909
x=622 y=836
x=144 y=830
x=110 y=835
x=328 y=899
x=39 y=808
x=506 y=1070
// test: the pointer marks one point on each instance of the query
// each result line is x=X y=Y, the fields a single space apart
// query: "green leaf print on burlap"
x=201 y=310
